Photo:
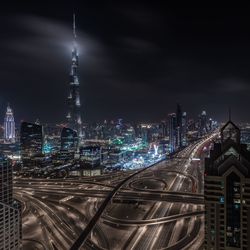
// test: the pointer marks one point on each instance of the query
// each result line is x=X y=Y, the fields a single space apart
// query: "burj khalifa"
x=74 y=104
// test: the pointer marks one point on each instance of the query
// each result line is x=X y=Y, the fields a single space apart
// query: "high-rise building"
x=69 y=140
x=74 y=114
x=163 y=128
x=203 y=123
x=6 y=186
x=178 y=133
x=144 y=131
x=31 y=140
x=184 y=128
x=9 y=126
x=10 y=209
x=172 y=132
x=227 y=193
x=210 y=124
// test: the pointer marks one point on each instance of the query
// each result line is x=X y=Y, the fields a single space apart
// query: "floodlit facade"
x=9 y=126
x=10 y=210
x=227 y=193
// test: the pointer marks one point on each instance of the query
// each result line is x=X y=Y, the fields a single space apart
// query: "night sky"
x=136 y=60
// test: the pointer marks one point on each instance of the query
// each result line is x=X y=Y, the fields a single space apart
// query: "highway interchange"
x=160 y=207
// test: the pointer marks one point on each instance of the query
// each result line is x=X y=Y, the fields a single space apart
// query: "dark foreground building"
x=227 y=193
x=31 y=139
x=10 y=209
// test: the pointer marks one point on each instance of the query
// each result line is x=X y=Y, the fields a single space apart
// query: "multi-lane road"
x=160 y=207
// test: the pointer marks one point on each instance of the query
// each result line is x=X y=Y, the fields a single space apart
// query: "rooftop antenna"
x=74 y=25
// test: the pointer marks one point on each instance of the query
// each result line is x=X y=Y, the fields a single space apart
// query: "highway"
x=156 y=208
x=148 y=236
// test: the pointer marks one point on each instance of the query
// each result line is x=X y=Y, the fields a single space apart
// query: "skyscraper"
x=172 y=132
x=178 y=133
x=184 y=129
x=227 y=193
x=74 y=115
x=10 y=209
x=31 y=140
x=9 y=126
x=203 y=123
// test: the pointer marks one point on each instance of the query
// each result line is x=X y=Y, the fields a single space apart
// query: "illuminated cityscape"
x=137 y=147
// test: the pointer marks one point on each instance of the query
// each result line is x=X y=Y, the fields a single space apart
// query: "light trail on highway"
x=158 y=208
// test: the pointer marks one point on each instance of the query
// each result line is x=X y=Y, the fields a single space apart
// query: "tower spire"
x=74 y=25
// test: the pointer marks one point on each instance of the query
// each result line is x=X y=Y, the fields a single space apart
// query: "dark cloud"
x=136 y=61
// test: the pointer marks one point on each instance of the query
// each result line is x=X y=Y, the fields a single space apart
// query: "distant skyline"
x=136 y=60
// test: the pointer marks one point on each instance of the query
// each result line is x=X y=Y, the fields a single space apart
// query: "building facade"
x=10 y=210
x=9 y=126
x=227 y=193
